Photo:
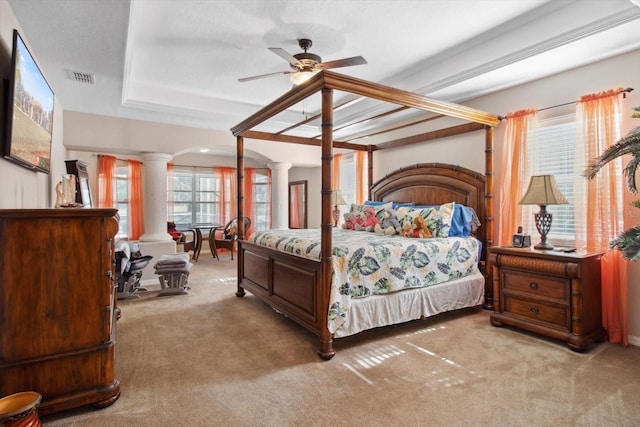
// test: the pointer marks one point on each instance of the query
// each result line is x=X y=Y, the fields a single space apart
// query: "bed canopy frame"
x=326 y=83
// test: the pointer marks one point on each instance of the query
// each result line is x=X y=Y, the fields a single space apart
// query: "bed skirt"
x=411 y=304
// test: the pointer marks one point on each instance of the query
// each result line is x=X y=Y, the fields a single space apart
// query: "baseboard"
x=634 y=340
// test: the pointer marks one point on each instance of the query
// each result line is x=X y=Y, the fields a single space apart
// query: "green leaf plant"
x=628 y=242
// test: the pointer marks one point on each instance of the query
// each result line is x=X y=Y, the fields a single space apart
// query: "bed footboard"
x=289 y=284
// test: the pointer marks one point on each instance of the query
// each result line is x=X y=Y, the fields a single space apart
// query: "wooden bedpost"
x=369 y=170
x=326 y=350
x=488 y=220
x=240 y=192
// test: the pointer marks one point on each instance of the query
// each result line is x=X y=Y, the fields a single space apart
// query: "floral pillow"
x=379 y=209
x=438 y=218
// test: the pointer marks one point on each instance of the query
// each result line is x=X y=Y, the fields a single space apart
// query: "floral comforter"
x=366 y=263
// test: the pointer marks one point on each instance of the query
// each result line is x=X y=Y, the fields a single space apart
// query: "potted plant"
x=628 y=242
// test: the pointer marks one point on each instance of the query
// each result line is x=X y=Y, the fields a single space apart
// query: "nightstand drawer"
x=556 y=315
x=536 y=284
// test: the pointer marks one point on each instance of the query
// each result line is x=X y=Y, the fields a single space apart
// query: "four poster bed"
x=339 y=282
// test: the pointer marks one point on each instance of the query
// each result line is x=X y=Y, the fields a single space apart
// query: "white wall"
x=21 y=187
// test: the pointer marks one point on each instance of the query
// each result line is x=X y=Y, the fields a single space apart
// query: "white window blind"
x=551 y=151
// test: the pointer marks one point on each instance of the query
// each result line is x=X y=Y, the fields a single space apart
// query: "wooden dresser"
x=551 y=293
x=57 y=306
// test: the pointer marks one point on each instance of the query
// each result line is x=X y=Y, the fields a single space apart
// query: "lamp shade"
x=543 y=191
x=300 y=77
x=337 y=199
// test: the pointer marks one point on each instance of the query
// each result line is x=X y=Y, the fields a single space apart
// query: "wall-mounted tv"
x=29 y=119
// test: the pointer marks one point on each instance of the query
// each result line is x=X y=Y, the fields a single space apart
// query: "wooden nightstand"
x=551 y=293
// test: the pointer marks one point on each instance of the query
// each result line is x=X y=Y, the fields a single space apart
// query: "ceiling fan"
x=305 y=64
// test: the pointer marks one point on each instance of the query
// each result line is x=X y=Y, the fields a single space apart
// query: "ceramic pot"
x=20 y=410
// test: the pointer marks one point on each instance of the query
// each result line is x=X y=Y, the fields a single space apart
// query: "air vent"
x=80 y=77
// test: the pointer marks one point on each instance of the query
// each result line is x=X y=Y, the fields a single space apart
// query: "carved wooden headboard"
x=435 y=184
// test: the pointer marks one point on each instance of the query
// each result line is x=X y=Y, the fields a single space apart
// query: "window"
x=121 y=196
x=193 y=198
x=261 y=202
x=348 y=178
x=551 y=151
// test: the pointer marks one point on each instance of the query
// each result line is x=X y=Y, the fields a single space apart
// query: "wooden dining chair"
x=225 y=238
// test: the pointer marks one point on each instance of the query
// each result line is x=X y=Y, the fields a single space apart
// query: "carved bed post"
x=240 y=192
x=488 y=220
x=369 y=170
x=326 y=350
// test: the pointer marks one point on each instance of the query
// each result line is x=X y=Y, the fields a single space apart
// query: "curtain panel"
x=599 y=205
x=519 y=124
x=106 y=176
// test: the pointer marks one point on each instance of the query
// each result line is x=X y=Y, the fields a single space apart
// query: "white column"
x=279 y=195
x=155 y=197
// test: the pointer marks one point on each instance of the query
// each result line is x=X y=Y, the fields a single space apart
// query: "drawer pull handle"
x=533 y=310
x=533 y=285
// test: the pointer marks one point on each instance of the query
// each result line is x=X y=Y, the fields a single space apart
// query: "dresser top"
x=545 y=254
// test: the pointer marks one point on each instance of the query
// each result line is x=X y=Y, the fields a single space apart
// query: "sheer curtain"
x=599 y=205
x=335 y=178
x=249 y=205
x=136 y=221
x=106 y=177
x=228 y=199
x=514 y=181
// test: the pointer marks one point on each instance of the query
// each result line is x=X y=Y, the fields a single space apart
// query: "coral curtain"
x=519 y=124
x=136 y=214
x=335 y=177
x=249 y=205
x=600 y=205
x=106 y=176
x=228 y=196
x=361 y=179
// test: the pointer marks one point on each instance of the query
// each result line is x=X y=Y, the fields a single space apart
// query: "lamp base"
x=543 y=224
x=544 y=246
x=336 y=215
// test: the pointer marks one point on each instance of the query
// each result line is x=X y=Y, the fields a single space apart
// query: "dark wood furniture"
x=293 y=285
x=355 y=114
x=58 y=306
x=551 y=293
x=226 y=237
x=83 y=190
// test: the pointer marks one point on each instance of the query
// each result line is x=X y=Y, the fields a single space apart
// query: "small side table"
x=551 y=293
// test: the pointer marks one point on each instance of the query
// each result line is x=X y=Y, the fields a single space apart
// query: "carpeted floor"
x=211 y=359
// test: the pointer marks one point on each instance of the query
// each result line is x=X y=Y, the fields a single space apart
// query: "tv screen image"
x=30 y=112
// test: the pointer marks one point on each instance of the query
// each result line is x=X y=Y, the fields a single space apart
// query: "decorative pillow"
x=438 y=218
x=395 y=205
x=378 y=208
x=463 y=222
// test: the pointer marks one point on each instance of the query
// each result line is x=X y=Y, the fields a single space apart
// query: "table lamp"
x=337 y=200
x=543 y=191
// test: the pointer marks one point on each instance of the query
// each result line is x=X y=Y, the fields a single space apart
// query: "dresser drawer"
x=536 y=285
x=535 y=310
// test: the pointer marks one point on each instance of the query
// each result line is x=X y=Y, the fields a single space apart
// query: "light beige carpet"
x=211 y=359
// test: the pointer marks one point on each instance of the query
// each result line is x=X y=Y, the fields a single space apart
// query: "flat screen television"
x=29 y=119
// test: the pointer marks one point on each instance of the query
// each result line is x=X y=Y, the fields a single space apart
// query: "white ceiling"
x=179 y=61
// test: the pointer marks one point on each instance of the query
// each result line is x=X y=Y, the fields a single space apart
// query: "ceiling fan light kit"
x=306 y=64
x=301 y=77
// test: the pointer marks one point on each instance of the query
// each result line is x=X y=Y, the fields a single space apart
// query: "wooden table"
x=210 y=229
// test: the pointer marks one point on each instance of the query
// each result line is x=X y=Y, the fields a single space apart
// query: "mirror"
x=298 y=204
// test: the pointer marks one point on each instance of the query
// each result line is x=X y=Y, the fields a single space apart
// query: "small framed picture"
x=521 y=241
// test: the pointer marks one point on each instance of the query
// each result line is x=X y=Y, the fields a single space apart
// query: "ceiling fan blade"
x=284 y=54
x=346 y=62
x=246 y=79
